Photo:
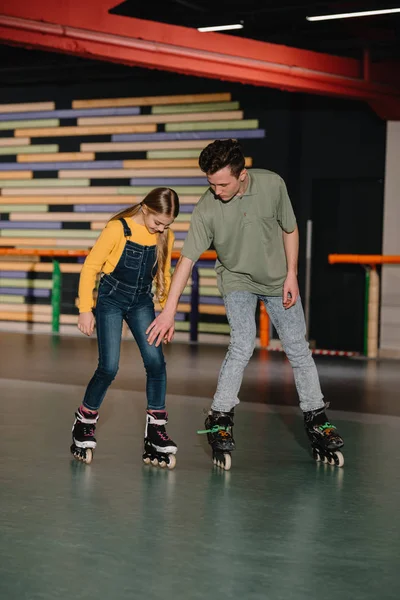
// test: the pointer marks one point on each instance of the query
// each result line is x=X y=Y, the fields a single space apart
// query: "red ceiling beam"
x=87 y=29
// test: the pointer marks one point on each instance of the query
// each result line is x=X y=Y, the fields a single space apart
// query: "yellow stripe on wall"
x=16 y=174
x=141 y=146
x=151 y=100
x=14 y=142
x=159 y=163
x=27 y=107
x=78 y=131
x=39 y=267
x=55 y=157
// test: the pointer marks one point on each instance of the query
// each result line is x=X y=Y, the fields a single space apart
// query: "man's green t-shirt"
x=246 y=233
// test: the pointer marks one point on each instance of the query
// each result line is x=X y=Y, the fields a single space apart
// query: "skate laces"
x=327 y=428
x=222 y=430
x=161 y=432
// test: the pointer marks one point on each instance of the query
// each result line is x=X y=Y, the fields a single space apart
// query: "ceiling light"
x=364 y=13
x=220 y=27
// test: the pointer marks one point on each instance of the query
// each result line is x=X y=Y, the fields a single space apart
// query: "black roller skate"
x=219 y=430
x=83 y=440
x=159 y=449
x=325 y=440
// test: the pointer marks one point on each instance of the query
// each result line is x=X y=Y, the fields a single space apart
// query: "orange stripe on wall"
x=78 y=131
x=16 y=175
x=151 y=100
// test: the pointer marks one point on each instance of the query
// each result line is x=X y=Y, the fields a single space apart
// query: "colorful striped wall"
x=64 y=172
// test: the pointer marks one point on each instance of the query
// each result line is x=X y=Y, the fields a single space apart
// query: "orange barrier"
x=363 y=259
x=371 y=299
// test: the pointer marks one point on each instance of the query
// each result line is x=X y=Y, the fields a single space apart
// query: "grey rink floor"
x=278 y=526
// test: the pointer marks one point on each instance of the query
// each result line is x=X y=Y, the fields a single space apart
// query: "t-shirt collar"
x=252 y=186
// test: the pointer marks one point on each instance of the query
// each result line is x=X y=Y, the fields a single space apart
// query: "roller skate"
x=83 y=440
x=159 y=449
x=325 y=440
x=219 y=430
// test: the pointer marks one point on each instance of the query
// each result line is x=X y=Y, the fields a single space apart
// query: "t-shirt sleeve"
x=199 y=237
x=284 y=210
x=94 y=263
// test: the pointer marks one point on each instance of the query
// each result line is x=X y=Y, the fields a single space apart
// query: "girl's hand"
x=86 y=323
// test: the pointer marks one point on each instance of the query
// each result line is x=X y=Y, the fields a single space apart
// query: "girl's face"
x=156 y=222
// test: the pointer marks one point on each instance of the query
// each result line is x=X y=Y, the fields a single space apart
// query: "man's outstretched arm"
x=163 y=326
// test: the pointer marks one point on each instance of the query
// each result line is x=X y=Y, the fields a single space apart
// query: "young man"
x=248 y=217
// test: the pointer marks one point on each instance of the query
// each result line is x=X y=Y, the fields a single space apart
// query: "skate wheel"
x=338 y=459
x=171 y=461
x=88 y=456
x=227 y=461
x=223 y=460
x=162 y=464
x=324 y=459
x=316 y=456
x=154 y=462
x=146 y=460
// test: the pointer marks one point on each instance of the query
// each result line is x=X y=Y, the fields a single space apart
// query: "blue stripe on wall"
x=14 y=274
x=55 y=166
x=70 y=113
x=180 y=235
x=29 y=225
x=188 y=135
x=25 y=292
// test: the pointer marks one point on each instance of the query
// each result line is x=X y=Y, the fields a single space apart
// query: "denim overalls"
x=125 y=294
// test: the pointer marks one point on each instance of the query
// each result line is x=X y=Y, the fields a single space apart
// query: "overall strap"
x=127 y=230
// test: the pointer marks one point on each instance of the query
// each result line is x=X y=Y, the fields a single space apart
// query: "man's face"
x=224 y=184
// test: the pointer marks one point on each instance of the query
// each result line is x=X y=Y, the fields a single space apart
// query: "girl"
x=133 y=250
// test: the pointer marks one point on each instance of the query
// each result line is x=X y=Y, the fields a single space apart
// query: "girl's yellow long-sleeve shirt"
x=105 y=254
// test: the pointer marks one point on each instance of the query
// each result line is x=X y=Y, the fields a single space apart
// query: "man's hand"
x=86 y=323
x=290 y=291
x=161 y=329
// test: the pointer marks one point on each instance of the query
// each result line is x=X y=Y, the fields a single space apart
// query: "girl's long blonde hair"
x=164 y=201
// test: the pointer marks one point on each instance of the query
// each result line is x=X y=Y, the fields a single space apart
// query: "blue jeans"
x=291 y=328
x=116 y=303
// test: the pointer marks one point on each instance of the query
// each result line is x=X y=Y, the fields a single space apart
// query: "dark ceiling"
x=265 y=20
x=284 y=22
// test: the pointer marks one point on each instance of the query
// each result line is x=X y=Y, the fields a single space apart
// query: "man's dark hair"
x=220 y=154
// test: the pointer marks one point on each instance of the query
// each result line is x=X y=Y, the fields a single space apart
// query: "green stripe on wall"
x=4 y=208
x=40 y=149
x=211 y=125
x=185 y=217
x=49 y=233
x=31 y=123
x=180 y=189
x=29 y=183
x=204 y=327
x=37 y=284
x=208 y=272
x=11 y=299
x=188 y=108
x=173 y=153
